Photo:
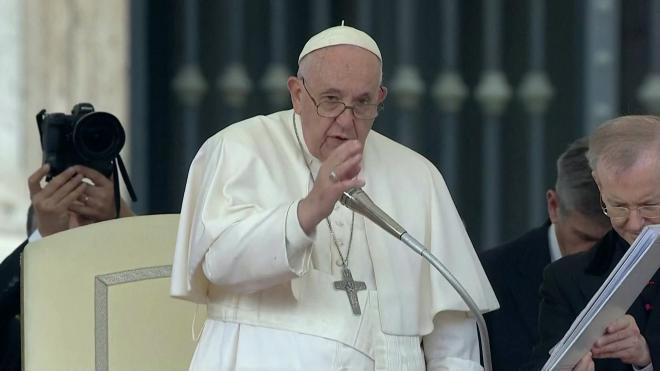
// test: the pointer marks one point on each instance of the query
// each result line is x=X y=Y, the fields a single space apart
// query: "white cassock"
x=268 y=287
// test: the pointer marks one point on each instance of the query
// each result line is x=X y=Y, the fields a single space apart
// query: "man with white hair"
x=624 y=155
x=264 y=242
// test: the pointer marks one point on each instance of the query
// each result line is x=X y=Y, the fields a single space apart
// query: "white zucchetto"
x=340 y=35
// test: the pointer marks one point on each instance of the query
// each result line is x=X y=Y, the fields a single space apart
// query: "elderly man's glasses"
x=620 y=213
x=332 y=109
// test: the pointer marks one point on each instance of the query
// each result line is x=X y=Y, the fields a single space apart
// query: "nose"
x=635 y=221
x=346 y=118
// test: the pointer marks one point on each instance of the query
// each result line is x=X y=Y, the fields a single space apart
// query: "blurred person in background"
x=515 y=269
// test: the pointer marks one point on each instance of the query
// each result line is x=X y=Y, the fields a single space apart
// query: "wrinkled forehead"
x=616 y=164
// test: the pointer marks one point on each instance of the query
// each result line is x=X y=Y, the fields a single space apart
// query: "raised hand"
x=98 y=202
x=338 y=173
x=52 y=202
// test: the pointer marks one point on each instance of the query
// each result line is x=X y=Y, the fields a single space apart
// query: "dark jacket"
x=569 y=284
x=10 y=309
x=515 y=271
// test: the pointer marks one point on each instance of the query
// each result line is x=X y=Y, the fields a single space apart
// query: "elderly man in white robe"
x=265 y=244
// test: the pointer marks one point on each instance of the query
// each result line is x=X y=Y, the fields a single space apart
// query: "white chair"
x=97 y=298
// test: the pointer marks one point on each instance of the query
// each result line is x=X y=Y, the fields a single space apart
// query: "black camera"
x=85 y=137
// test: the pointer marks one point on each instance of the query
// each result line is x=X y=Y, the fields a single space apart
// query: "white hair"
x=620 y=142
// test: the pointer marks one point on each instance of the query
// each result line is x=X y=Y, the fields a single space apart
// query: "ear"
x=595 y=176
x=293 y=83
x=552 y=199
x=382 y=95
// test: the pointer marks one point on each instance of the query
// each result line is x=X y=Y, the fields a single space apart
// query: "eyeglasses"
x=620 y=213
x=361 y=111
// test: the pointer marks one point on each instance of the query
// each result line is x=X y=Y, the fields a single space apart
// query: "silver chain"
x=344 y=261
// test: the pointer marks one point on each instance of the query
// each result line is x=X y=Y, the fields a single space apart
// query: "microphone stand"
x=357 y=200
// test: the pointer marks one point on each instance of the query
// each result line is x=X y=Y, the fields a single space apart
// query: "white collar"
x=313 y=163
x=553 y=243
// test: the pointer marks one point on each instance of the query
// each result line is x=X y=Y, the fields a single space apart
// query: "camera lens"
x=98 y=136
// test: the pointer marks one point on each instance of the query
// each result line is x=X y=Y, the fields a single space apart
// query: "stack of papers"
x=610 y=302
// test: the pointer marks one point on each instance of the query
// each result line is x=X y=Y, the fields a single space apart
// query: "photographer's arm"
x=124 y=209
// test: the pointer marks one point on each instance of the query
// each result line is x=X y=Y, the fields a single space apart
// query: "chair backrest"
x=97 y=298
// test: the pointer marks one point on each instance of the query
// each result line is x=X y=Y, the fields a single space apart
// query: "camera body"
x=85 y=137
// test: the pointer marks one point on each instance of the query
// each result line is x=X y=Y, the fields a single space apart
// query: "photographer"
x=64 y=194
x=76 y=197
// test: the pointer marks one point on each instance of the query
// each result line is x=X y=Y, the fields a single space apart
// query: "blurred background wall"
x=54 y=54
x=491 y=91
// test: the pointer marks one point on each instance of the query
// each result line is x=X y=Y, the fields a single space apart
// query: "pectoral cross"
x=351 y=287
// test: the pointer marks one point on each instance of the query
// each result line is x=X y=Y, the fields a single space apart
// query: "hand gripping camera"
x=85 y=137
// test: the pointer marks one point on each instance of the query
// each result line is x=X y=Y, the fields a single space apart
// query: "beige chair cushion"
x=97 y=298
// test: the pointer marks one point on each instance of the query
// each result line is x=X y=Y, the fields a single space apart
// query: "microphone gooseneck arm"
x=357 y=200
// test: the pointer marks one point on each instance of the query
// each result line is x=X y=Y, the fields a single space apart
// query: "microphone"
x=357 y=200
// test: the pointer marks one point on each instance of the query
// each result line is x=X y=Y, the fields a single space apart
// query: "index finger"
x=585 y=364
x=621 y=323
x=346 y=150
x=34 y=180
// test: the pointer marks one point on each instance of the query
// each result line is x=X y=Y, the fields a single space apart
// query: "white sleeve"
x=648 y=367
x=453 y=344
x=298 y=243
x=234 y=221
x=35 y=236
x=254 y=253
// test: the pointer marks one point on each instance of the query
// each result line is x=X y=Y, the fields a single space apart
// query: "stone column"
x=535 y=92
x=493 y=94
x=234 y=83
x=601 y=62
x=407 y=85
x=75 y=51
x=56 y=53
x=189 y=86
x=13 y=190
x=274 y=81
x=649 y=92
x=449 y=92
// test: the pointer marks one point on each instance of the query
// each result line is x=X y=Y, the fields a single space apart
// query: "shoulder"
x=253 y=135
x=534 y=241
x=595 y=260
x=401 y=159
x=568 y=269
x=254 y=129
x=390 y=148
